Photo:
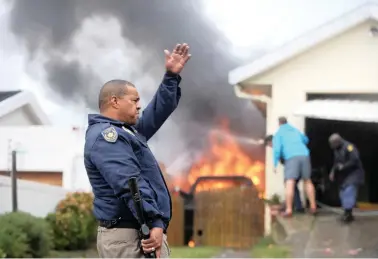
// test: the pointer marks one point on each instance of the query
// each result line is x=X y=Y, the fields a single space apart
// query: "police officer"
x=348 y=172
x=116 y=149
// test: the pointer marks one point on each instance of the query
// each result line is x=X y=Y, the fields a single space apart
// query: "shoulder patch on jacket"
x=110 y=134
x=350 y=147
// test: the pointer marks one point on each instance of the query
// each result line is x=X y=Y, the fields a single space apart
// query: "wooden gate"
x=231 y=218
x=176 y=226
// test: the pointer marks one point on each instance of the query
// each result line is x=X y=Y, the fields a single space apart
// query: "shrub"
x=13 y=242
x=80 y=202
x=23 y=235
x=2 y=254
x=274 y=200
x=73 y=223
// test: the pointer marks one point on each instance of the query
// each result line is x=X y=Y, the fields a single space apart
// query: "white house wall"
x=345 y=64
x=35 y=198
x=45 y=148
x=19 y=117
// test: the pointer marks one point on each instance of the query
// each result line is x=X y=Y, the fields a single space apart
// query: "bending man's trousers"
x=348 y=196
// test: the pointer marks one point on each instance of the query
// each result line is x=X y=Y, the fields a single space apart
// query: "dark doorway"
x=363 y=135
x=188 y=225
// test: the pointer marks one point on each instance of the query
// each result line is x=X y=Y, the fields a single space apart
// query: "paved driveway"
x=331 y=238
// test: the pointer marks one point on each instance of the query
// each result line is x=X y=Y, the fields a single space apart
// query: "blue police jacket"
x=352 y=171
x=289 y=142
x=114 y=152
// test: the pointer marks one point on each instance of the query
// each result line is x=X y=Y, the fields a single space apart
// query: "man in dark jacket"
x=116 y=149
x=348 y=171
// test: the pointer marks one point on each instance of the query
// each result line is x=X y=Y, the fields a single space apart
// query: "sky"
x=248 y=24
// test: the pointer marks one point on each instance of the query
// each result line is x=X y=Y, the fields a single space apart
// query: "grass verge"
x=90 y=253
x=266 y=248
x=176 y=252
x=195 y=252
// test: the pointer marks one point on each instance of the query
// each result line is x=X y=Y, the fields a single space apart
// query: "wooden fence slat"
x=176 y=226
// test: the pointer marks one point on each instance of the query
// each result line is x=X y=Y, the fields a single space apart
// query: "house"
x=20 y=108
x=323 y=81
x=44 y=153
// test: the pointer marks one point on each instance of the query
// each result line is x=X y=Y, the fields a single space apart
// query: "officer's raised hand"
x=154 y=242
x=175 y=61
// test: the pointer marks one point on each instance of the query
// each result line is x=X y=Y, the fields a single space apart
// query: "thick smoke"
x=50 y=27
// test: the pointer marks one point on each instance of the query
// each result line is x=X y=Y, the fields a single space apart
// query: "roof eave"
x=22 y=99
x=303 y=43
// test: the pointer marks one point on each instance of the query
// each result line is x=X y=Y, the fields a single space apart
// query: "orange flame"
x=226 y=158
x=191 y=244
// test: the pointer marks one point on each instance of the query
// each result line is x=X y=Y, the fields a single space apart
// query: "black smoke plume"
x=154 y=26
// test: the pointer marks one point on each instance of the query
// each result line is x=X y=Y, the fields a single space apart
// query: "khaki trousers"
x=123 y=243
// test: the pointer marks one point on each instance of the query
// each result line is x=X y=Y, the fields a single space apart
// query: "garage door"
x=342 y=110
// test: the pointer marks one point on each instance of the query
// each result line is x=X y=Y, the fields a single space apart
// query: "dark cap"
x=282 y=120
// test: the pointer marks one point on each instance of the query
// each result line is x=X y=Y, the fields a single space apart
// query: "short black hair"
x=115 y=87
x=267 y=139
x=282 y=120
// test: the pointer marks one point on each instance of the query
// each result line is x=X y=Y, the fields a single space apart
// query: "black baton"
x=144 y=229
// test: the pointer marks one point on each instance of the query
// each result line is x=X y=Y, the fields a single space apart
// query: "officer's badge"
x=110 y=134
x=350 y=148
x=128 y=131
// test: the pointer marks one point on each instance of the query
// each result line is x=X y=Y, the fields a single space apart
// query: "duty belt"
x=117 y=224
x=120 y=224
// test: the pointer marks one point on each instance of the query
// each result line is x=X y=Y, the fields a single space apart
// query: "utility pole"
x=14 y=181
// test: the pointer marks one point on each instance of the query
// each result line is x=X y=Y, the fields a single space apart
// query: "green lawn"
x=90 y=253
x=266 y=248
x=195 y=252
x=177 y=252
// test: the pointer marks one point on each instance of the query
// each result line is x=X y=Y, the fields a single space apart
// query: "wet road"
x=331 y=238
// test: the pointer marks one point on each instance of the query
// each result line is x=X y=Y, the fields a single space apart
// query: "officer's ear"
x=114 y=102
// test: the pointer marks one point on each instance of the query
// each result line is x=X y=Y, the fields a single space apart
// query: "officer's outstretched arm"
x=334 y=165
x=277 y=147
x=304 y=138
x=161 y=106
x=117 y=163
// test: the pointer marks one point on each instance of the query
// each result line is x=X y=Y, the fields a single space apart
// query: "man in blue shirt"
x=291 y=144
x=298 y=206
x=116 y=149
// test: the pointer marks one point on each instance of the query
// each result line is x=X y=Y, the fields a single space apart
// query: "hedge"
x=24 y=235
